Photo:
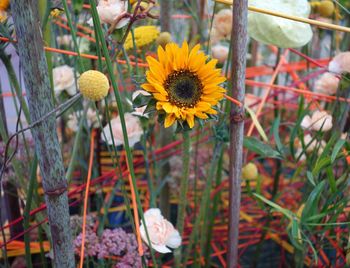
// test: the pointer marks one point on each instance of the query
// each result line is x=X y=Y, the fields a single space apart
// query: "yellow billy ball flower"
x=184 y=84
x=3 y=16
x=144 y=35
x=326 y=8
x=250 y=172
x=93 y=85
x=4 y=4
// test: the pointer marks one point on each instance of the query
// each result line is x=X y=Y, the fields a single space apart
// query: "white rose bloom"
x=133 y=128
x=64 y=79
x=161 y=232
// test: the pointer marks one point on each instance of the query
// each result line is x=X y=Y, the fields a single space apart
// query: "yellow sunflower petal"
x=201 y=115
x=190 y=120
x=148 y=87
x=156 y=68
x=160 y=97
x=203 y=106
x=169 y=120
x=169 y=108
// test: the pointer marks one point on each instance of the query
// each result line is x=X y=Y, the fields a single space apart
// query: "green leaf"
x=331 y=179
x=277 y=207
x=275 y=131
x=336 y=149
x=262 y=149
x=320 y=164
x=310 y=178
x=311 y=204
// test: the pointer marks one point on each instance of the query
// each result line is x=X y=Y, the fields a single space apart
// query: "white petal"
x=174 y=240
x=161 y=248
x=306 y=122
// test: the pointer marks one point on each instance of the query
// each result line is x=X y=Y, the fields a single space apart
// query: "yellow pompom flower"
x=184 y=85
x=4 y=4
x=250 y=171
x=144 y=35
x=3 y=16
x=93 y=85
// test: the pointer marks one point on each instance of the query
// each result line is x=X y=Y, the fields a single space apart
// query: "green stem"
x=203 y=205
x=212 y=212
x=183 y=192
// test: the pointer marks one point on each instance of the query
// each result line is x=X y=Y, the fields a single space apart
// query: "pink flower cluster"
x=114 y=242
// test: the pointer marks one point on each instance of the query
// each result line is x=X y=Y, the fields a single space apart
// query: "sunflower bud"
x=93 y=85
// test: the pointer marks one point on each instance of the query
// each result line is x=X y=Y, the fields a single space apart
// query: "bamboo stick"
x=239 y=40
x=291 y=17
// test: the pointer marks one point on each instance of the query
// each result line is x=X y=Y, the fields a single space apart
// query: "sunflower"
x=184 y=84
x=144 y=35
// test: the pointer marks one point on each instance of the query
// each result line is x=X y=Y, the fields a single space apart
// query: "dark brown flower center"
x=184 y=88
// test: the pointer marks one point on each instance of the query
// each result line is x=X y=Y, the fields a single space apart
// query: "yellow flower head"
x=144 y=35
x=55 y=12
x=3 y=16
x=93 y=85
x=184 y=84
x=250 y=171
x=4 y=4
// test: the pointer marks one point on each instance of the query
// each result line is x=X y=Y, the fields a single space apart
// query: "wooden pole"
x=239 y=41
x=36 y=78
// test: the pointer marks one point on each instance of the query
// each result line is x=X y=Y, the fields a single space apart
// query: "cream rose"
x=64 y=79
x=133 y=128
x=222 y=23
x=161 y=232
x=327 y=84
x=110 y=10
x=318 y=121
x=340 y=63
x=220 y=52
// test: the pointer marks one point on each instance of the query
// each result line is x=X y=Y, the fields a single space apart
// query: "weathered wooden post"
x=36 y=78
x=239 y=51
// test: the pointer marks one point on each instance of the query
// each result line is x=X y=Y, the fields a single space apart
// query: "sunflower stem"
x=183 y=192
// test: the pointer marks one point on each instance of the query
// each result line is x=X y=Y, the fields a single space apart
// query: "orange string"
x=135 y=211
x=91 y=158
x=305 y=93
x=72 y=53
x=233 y=100
x=267 y=93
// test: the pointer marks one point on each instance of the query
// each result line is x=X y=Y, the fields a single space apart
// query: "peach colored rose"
x=64 y=79
x=222 y=23
x=133 y=128
x=64 y=40
x=110 y=10
x=311 y=144
x=340 y=63
x=161 y=232
x=327 y=84
x=91 y=118
x=220 y=52
x=140 y=110
x=318 y=121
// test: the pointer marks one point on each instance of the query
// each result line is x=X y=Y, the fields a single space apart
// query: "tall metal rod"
x=239 y=51
x=36 y=79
